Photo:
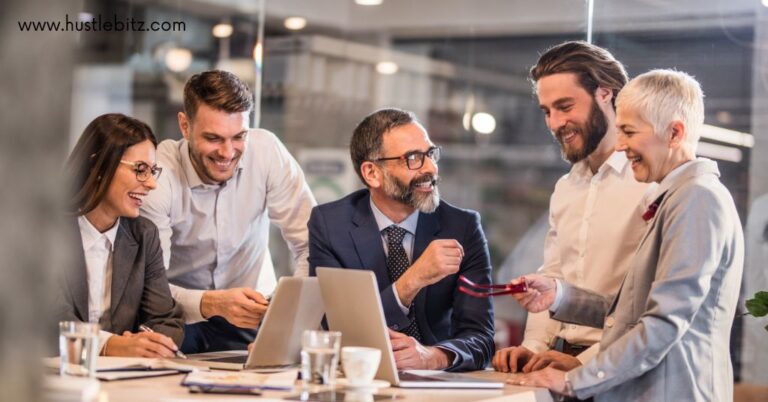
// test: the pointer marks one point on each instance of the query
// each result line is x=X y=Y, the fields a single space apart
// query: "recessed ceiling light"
x=483 y=123
x=377 y=2
x=295 y=23
x=178 y=59
x=386 y=67
x=222 y=30
x=765 y=3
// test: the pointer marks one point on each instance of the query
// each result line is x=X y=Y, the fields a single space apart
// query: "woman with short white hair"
x=667 y=332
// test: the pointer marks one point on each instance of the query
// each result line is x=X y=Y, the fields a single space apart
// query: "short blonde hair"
x=663 y=96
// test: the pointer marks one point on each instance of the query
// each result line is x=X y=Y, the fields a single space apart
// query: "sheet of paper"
x=228 y=378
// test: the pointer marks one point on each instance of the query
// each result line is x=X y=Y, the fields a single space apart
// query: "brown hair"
x=367 y=137
x=218 y=89
x=96 y=156
x=594 y=66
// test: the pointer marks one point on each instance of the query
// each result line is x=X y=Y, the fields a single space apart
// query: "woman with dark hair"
x=121 y=281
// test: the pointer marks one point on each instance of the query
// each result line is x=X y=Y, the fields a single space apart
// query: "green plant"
x=758 y=306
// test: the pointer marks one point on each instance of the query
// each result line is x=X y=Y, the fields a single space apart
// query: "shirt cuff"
x=558 y=296
x=591 y=352
x=189 y=300
x=535 y=345
x=404 y=309
x=451 y=352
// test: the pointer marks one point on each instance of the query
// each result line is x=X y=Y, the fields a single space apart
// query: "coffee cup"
x=360 y=364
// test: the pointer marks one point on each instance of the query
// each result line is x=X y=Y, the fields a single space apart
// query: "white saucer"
x=375 y=384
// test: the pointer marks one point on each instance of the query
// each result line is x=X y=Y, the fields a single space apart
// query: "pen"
x=145 y=328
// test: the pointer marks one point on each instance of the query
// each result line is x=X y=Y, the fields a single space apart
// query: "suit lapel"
x=77 y=280
x=367 y=240
x=123 y=257
x=658 y=201
x=426 y=231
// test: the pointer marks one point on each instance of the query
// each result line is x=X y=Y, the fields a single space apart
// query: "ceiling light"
x=728 y=136
x=483 y=123
x=178 y=59
x=765 y=3
x=295 y=23
x=386 y=67
x=721 y=152
x=377 y=2
x=222 y=30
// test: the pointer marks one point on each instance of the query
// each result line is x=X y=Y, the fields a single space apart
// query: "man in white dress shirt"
x=225 y=183
x=591 y=236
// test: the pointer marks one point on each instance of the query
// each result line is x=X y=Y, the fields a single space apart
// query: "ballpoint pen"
x=145 y=328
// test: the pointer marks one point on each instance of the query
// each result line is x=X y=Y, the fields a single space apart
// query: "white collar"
x=91 y=235
x=383 y=222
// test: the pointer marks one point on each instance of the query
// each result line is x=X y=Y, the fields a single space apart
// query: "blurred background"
x=318 y=67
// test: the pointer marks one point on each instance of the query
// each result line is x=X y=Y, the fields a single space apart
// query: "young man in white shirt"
x=225 y=183
x=591 y=236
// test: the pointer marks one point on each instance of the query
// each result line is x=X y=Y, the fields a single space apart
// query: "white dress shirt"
x=216 y=236
x=655 y=192
x=595 y=224
x=409 y=224
x=97 y=248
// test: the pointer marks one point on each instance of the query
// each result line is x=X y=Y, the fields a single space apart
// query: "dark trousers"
x=215 y=335
x=561 y=345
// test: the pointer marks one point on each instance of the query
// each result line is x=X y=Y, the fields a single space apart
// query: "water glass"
x=319 y=357
x=78 y=348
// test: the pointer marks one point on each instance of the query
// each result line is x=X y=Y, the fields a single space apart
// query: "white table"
x=167 y=389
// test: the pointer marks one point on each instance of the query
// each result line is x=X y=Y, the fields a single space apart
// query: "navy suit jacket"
x=344 y=234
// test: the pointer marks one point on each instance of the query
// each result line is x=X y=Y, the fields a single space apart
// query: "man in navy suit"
x=416 y=244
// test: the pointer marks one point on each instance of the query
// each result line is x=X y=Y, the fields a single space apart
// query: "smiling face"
x=217 y=140
x=650 y=154
x=415 y=189
x=125 y=193
x=572 y=115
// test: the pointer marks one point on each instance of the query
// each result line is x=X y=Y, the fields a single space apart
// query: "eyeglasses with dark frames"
x=490 y=290
x=415 y=159
x=143 y=170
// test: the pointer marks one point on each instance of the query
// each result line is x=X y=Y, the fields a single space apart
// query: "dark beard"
x=592 y=132
x=406 y=194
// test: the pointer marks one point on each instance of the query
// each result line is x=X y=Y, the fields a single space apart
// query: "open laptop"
x=296 y=306
x=353 y=306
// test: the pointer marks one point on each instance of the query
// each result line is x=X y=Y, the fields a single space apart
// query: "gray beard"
x=398 y=191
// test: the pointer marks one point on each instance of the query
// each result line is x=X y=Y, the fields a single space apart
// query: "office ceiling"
x=426 y=18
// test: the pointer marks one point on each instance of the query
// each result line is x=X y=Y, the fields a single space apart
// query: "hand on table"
x=412 y=355
x=142 y=344
x=551 y=358
x=551 y=378
x=512 y=359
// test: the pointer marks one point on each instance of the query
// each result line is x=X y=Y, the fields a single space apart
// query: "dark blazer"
x=344 y=234
x=140 y=292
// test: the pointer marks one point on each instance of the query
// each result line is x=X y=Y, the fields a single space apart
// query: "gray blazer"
x=667 y=332
x=140 y=292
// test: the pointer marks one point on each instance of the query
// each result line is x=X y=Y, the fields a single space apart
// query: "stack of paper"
x=70 y=389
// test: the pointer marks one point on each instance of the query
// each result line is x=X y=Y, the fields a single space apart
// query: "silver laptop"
x=353 y=306
x=295 y=306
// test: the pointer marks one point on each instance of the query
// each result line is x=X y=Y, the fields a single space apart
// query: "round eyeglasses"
x=143 y=170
